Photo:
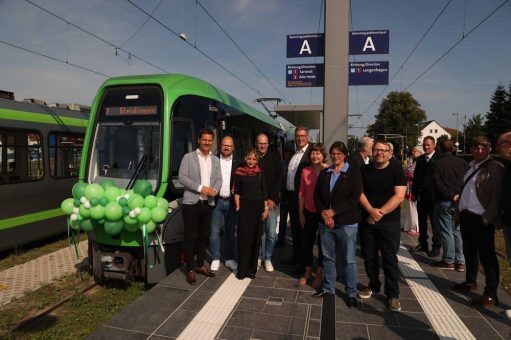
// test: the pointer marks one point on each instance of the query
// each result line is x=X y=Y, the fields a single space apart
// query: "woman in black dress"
x=250 y=196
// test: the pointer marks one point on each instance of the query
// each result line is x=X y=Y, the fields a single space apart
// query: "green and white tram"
x=140 y=127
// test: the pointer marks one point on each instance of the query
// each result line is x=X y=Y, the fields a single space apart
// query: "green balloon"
x=123 y=201
x=150 y=201
x=84 y=212
x=112 y=193
x=135 y=201
x=126 y=210
x=113 y=227
x=94 y=201
x=145 y=215
x=122 y=191
x=74 y=224
x=76 y=202
x=113 y=211
x=158 y=215
x=103 y=201
x=129 y=192
x=94 y=191
x=101 y=221
x=143 y=187
x=86 y=225
x=79 y=190
x=107 y=183
x=150 y=226
x=130 y=224
x=97 y=212
x=162 y=203
x=67 y=206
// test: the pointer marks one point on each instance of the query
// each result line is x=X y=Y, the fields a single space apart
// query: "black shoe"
x=351 y=301
x=251 y=276
x=240 y=276
x=419 y=248
x=291 y=260
x=320 y=294
x=434 y=253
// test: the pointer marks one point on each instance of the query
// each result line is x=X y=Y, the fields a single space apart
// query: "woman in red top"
x=308 y=214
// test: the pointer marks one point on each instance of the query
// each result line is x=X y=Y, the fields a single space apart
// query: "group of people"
x=464 y=203
x=359 y=195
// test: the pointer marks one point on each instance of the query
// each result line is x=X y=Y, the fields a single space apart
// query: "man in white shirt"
x=224 y=214
x=299 y=160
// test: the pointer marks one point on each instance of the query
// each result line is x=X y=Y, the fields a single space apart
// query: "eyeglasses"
x=481 y=146
x=381 y=150
x=262 y=144
x=226 y=146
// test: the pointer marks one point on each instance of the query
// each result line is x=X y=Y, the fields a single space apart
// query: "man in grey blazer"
x=201 y=177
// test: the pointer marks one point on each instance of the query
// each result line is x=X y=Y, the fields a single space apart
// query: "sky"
x=462 y=82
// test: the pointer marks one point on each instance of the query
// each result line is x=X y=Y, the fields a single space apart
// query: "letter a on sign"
x=369 y=44
x=305 y=47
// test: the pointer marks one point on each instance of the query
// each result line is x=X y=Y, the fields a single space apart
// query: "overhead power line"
x=241 y=50
x=408 y=57
x=141 y=26
x=97 y=37
x=457 y=43
x=194 y=47
x=55 y=59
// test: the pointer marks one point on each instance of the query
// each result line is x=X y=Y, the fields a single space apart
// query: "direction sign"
x=369 y=42
x=305 y=45
x=305 y=75
x=369 y=73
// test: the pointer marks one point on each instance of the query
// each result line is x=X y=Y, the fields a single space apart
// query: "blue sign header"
x=369 y=42
x=305 y=45
x=305 y=75
x=369 y=73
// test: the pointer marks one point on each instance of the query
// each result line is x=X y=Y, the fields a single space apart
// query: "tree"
x=352 y=143
x=475 y=126
x=498 y=119
x=399 y=113
x=443 y=138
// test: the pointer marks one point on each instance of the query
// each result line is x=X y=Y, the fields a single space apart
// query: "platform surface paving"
x=273 y=306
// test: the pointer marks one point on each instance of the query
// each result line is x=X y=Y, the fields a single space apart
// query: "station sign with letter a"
x=305 y=45
x=369 y=42
x=369 y=73
x=305 y=75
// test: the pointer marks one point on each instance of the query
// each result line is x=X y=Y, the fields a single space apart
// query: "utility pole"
x=465 y=134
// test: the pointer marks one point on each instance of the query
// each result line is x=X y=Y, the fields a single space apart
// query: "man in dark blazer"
x=200 y=175
x=224 y=214
x=422 y=191
x=363 y=153
x=298 y=161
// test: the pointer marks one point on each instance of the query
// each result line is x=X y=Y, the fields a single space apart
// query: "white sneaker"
x=508 y=313
x=214 y=265
x=258 y=263
x=268 y=266
x=231 y=264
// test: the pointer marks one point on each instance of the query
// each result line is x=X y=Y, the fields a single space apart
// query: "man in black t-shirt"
x=384 y=189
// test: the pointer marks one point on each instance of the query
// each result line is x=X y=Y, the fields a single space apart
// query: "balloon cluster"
x=106 y=205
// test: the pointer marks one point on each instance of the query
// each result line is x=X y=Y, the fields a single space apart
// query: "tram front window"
x=127 y=137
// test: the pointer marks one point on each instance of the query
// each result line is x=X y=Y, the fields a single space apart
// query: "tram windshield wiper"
x=142 y=167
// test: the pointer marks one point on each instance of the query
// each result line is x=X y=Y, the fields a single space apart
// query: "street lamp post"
x=457 y=142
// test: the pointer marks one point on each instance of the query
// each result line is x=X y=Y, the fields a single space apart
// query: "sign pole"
x=335 y=91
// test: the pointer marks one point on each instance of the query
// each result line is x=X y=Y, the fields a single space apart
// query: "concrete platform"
x=272 y=306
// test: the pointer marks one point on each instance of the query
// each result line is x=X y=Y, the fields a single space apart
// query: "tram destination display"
x=131 y=110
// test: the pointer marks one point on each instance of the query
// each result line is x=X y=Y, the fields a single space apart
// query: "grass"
x=505 y=269
x=33 y=251
x=78 y=317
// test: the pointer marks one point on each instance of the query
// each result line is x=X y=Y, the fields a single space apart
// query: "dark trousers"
x=383 y=238
x=283 y=220
x=308 y=237
x=479 y=244
x=249 y=236
x=197 y=222
x=425 y=207
x=294 y=221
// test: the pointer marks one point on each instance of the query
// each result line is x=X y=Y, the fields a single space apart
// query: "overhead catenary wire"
x=97 y=37
x=54 y=59
x=141 y=26
x=195 y=47
x=457 y=43
x=241 y=50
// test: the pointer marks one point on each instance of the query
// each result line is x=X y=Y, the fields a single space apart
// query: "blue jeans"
x=507 y=238
x=224 y=216
x=450 y=232
x=269 y=236
x=345 y=239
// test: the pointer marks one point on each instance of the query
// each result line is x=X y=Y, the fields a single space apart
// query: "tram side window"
x=182 y=143
x=242 y=141
x=35 y=168
x=21 y=156
x=65 y=152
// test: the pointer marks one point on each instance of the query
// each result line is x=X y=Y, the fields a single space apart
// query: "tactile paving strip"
x=443 y=318
x=15 y=281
